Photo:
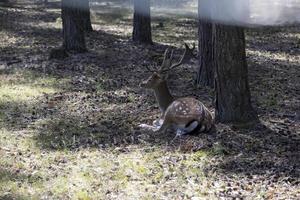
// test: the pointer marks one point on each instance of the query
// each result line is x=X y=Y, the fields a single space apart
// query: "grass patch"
x=23 y=85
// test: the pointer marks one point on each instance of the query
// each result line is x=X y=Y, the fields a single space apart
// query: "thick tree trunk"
x=142 y=22
x=206 y=72
x=3 y=2
x=87 y=16
x=73 y=26
x=233 y=102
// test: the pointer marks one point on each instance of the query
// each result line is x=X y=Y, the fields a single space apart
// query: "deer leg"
x=188 y=129
x=147 y=127
x=165 y=125
x=158 y=122
x=156 y=128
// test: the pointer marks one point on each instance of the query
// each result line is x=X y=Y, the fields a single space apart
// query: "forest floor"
x=69 y=129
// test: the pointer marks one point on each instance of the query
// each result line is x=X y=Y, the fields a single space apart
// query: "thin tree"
x=142 y=22
x=205 y=76
x=73 y=26
x=233 y=99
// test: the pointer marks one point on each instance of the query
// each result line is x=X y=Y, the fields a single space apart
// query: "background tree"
x=142 y=22
x=206 y=70
x=233 y=99
x=73 y=26
x=4 y=1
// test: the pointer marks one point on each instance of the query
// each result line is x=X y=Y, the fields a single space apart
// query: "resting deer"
x=183 y=114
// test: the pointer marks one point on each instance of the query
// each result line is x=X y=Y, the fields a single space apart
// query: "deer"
x=184 y=114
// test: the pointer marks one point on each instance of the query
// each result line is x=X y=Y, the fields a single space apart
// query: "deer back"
x=183 y=111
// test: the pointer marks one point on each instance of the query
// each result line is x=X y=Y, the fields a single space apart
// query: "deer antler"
x=166 y=61
x=165 y=64
x=150 y=70
x=183 y=57
x=181 y=60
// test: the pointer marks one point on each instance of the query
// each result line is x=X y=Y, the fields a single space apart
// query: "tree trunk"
x=233 y=99
x=205 y=76
x=87 y=16
x=4 y=2
x=142 y=22
x=73 y=26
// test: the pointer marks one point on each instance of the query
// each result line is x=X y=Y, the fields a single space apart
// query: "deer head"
x=159 y=75
x=157 y=81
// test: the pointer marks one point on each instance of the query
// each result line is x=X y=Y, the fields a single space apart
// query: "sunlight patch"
x=22 y=92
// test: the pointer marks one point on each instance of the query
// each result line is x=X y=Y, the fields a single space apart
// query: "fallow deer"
x=184 y=114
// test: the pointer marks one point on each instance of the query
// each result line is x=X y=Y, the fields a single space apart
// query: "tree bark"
x=4 y=2
x=87 y=16
x=206 y=72
x=233 y=99
x=142 y=22
x=73 y=26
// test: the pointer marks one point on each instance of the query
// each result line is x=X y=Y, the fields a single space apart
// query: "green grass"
x=89 y=173
x=24 y=85
x=81 y=175
x=36 y=159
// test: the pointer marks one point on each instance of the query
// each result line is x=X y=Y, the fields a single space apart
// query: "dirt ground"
x=69 y=129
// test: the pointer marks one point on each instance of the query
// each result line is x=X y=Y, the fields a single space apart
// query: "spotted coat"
x=183 y=111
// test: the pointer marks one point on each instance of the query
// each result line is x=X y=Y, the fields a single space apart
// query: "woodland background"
x=69 y=128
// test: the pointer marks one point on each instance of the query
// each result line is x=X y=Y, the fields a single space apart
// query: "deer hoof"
x=158 y=122
x=146 y=126
x=180 y=132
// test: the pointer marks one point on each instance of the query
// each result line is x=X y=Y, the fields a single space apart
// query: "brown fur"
x=182 y=113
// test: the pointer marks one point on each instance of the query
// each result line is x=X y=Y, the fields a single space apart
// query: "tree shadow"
x=273 y=85
x=53 y=5
x=268 y=149
x=274 y=39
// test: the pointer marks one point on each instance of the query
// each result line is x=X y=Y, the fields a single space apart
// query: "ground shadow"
x=262 y=39
x=271 y=148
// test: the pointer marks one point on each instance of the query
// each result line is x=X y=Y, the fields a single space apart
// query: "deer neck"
x=163 y=96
